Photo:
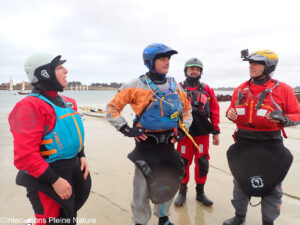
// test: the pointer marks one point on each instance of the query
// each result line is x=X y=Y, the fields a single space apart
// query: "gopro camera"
x=245 y=54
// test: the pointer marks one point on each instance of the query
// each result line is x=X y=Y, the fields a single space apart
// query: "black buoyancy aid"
x=199 y=100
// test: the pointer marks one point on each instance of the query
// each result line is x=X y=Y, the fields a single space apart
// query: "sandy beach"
x=112 y=173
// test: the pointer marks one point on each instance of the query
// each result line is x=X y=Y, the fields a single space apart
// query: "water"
x=98 y=99
x=223 y=92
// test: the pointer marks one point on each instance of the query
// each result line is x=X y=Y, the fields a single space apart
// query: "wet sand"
x=112 y=173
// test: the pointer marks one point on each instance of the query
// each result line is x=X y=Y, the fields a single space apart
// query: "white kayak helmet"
x=40 y=70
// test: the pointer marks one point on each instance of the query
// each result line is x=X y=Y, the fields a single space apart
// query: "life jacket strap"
x=264 y=94
x=283 y=133
x=44 y=151
x=48 y=152
x=47 y=141
x=69 y=114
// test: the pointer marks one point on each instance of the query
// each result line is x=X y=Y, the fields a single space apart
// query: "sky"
x=103 y=40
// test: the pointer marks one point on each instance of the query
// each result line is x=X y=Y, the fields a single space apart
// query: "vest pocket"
x=243 y=115
x=261 y=121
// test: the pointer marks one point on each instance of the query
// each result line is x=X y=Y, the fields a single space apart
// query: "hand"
x=141 y=137
x=231 y=114
x=271 y=119
x=62 y=188
x=132 y=132
x=178 y=135
x=84 y=166
x=277 y=117
x=216 y=140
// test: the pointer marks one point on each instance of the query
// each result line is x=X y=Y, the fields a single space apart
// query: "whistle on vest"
x=174 y=115
x=239 y=98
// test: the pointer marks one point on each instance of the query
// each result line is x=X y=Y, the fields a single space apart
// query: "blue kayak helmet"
x=152 y=51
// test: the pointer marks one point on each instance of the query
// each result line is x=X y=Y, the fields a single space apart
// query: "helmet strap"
x=192 y=80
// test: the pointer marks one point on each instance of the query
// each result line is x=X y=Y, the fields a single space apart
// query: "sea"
x=97 y=99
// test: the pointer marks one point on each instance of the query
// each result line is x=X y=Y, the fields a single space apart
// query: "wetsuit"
x=31 y=120
x=157 y=148
x=205 y=106
x=253 y=128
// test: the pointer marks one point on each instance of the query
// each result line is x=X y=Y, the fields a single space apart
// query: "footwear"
x=236 y=220
x=267 y=222
x=180 y=200
x=164 y=221
x=201 y=196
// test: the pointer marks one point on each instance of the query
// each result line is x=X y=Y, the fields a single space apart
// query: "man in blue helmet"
x=162 y=114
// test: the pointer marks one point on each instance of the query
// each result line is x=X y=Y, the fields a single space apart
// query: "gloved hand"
x=178 y=134
x=214 y=131
x=278 y=115
x=132 y=132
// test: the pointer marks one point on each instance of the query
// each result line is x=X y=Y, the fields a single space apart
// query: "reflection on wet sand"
x=193 y=213
x=200 y=213
x=183 y=215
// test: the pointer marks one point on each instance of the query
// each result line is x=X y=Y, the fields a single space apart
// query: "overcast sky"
x=103 y=40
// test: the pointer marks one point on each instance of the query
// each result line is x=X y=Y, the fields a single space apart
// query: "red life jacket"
x=199 y=100
x=252 y=108
x=197 y=97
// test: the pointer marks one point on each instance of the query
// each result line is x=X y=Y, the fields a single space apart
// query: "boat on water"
x=23 y=92
x=89 y=111
x=11 y=85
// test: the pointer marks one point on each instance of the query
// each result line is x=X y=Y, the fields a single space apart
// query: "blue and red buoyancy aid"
x=66 y=138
